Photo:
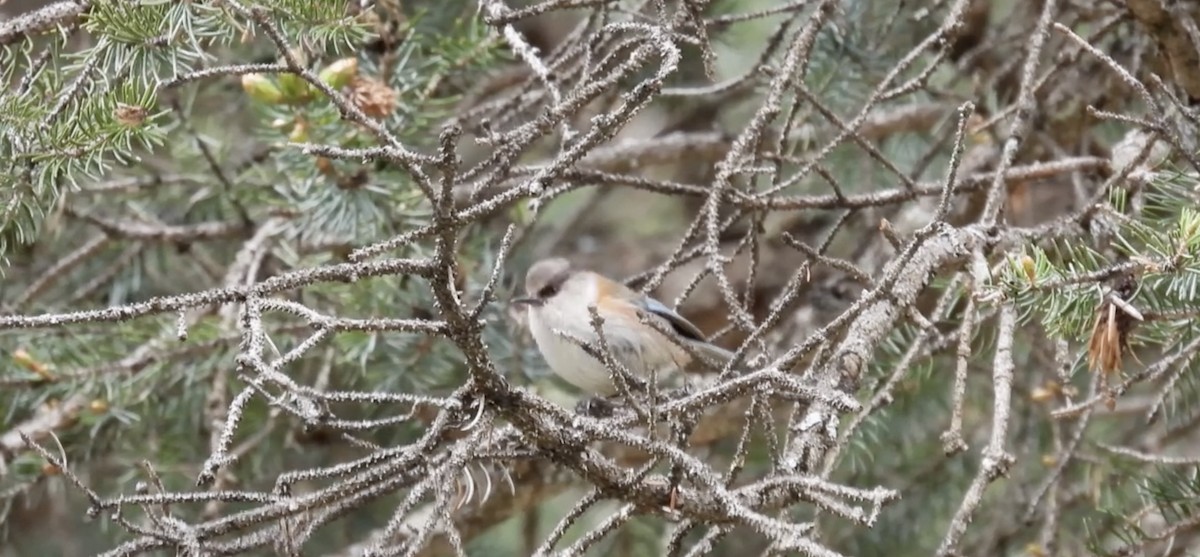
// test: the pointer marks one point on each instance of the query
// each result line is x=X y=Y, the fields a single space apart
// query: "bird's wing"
x=682 y=326
x=688 y=331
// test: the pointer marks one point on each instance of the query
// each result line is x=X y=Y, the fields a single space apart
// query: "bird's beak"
x=535 y=302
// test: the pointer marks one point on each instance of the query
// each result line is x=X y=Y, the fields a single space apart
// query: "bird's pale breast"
x=634 y=344
x=567 y=359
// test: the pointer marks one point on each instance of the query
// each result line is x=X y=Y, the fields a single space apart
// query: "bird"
x=558 y=297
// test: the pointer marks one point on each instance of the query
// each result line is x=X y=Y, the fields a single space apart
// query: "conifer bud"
x=339 y=73
x=299 y=132
x=261 y=89
x=373 y=97
x=295 y=89
x=1030 y=268
x=129 y=116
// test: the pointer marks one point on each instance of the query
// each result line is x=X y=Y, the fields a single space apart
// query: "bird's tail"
x=716 y=357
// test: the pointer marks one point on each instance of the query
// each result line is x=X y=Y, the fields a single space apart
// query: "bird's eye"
x=548 y=291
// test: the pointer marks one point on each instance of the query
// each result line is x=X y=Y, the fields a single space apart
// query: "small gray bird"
x=558 y=298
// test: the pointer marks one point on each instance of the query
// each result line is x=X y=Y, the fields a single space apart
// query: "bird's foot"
x=683 y=391
x=596 y=407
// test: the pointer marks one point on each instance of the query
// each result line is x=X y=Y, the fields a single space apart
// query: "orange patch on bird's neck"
x=612 y=296
x=602 y=289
